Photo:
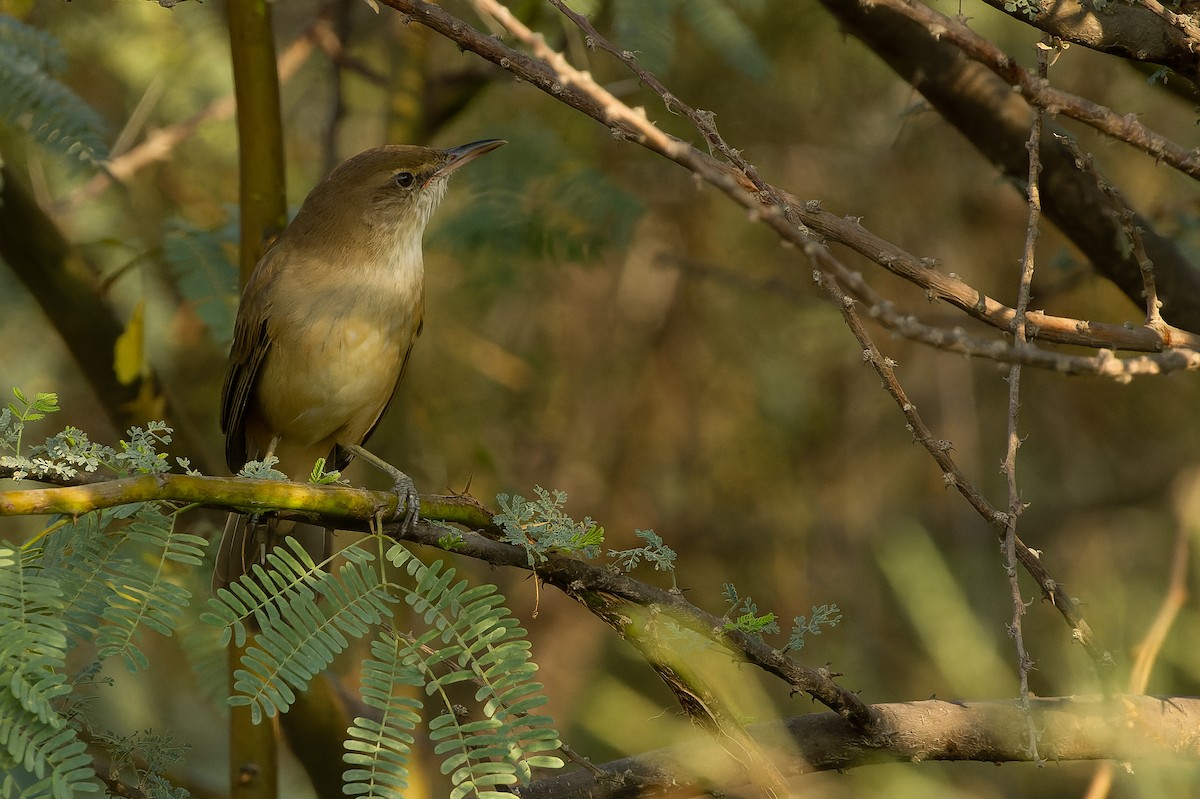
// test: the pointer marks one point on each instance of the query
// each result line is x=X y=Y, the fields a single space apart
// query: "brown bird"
x=326 y=324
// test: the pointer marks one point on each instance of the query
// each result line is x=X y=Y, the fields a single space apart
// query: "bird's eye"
x=403 y=179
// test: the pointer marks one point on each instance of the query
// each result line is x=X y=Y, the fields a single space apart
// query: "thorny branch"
x=350 y=508
x=800 y=224
x=1132 y=231
x=1040 y=94
x=810 y=219
x=1013 y=437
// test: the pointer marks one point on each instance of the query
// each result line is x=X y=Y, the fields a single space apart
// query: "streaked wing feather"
x=250 y=346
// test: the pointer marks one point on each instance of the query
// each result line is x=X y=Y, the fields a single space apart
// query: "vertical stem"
x=253 y=753
x=261 y=183
x=1015 y=506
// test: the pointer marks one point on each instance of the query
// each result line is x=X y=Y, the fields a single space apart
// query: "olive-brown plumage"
x=327 y=321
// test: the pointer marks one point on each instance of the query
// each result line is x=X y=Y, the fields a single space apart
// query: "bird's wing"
x=341 y=456
x=250 y=345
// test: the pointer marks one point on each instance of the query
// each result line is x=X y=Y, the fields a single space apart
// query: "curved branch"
x=1072 y=728
x=607 y=594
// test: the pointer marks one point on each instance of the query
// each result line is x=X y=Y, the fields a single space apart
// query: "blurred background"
x=599 y=323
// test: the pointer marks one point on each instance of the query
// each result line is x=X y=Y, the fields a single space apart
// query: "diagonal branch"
x=606 y=593
x=996 y=121
x=565 y=81
x=1178 y=282
x=1042 y=95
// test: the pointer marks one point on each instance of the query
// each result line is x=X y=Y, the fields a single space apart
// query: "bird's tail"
x=247 y=540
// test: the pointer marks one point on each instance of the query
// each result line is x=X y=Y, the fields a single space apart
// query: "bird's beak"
x=457 y=156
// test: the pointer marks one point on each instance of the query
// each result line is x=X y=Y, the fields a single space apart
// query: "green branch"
x=345 y=506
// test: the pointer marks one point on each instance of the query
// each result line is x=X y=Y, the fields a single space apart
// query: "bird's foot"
x=408 y=507
x=406 y=497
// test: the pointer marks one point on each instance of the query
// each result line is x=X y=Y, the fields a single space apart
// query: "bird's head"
x=393 y=188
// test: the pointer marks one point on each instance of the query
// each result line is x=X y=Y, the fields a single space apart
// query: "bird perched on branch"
x=324 y=330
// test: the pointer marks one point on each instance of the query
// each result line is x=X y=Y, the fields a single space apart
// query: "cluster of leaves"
x=65 y=454
x=31 y=97
x=100 y=578
x=305 y=616
x=105 y=576
x=656 y=552
x=202 y=263
x=147 y=755
x=743 y=616
x=542 y=525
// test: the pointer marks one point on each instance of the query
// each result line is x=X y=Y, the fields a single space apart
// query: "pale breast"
x=330 y=380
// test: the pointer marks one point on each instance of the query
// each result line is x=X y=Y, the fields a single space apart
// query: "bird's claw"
x=408 y=507
x=408 y=502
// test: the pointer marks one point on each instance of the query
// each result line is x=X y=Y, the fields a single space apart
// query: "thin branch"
x=1128 y=224
x=953 y=477
x=797 y=221
x=561 y=80
x=1013 y=437
x=1103 y=364
x=1038 y=93
x=996 y=120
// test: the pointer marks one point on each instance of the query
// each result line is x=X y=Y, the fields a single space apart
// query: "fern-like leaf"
x=486 y=646
x=34 y=736
x=30 y=96
x=33 y=640
x=48 y=759
x=79 y=557
x=292 y=569
x=298 y=637
x=378 y=749
x=144 y=595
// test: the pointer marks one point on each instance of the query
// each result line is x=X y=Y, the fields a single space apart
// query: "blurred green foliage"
x=599 y=324
x=31 y=96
